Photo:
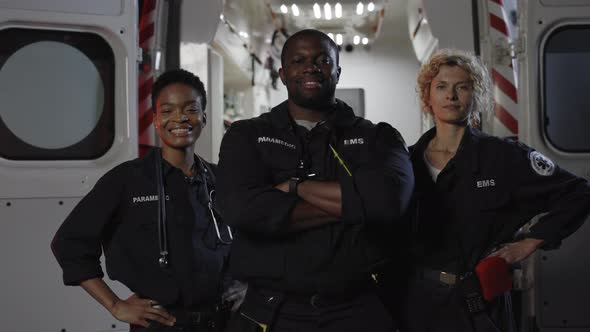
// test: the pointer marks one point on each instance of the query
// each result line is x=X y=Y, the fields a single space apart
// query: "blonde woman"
x=473 y=192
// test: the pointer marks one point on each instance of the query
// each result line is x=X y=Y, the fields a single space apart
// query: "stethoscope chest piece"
x=163 y=260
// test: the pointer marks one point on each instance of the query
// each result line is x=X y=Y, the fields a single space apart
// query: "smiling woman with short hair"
x=152 y=216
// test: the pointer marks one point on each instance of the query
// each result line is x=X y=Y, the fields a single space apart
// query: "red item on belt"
x=494 y=277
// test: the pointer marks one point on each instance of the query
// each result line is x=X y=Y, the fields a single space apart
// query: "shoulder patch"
x=541 y=164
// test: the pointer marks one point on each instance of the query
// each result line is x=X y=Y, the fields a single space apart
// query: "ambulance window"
x=56 y=95
x=566 y=88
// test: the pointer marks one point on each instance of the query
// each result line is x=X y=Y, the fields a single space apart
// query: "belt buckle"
x=449 y=279
x=313 y=300
x=195 y=317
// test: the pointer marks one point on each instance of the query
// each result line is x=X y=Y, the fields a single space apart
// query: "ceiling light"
x=295 y=10
x=284 y=9
x=360 y=8
x=356 y=40
x=338 y=10
x=221 y=17
x=365 y=40
x=328 y=11
x=339 y=39
x=331 y=35
x=244 y=34
x=317 y=11
x=371 y=7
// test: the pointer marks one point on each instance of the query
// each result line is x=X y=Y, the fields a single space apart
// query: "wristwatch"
x=293 y=183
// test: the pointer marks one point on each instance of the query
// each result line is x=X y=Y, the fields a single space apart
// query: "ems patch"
x=354 y=141
x=486 y=183
x=541 y=164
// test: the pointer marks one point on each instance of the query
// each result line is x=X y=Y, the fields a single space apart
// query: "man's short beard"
x=320 y=102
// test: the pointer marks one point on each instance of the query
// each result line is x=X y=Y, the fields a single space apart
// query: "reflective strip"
x=504 y=76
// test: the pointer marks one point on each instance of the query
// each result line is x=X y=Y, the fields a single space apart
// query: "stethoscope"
x=212 y=213
x=162 y=231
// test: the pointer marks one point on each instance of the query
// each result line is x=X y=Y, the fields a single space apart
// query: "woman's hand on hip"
x=138 y=311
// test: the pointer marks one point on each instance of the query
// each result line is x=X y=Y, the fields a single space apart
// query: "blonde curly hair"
x=480 y=79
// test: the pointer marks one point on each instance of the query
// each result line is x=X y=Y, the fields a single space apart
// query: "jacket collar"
x=199 y=167
x=467 y=151
x=340 y=115
x=167 y=168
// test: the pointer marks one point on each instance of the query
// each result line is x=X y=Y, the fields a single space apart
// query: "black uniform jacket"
x=259 y=153
x=119 y=216
x=486 y=192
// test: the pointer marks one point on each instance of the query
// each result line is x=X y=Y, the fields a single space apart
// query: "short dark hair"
x=178 y=76
x=308 y=32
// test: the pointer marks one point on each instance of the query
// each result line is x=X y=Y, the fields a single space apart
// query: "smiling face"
x=310 y=71
x=451 y=95
x=179 y=116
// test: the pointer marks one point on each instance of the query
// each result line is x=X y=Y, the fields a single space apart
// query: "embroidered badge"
x=486 y=183
x=145 y=199
x=541 y=164
x=265 y=139
x=354 y=141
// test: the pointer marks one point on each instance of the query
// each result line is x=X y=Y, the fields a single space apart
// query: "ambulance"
x=75 y=83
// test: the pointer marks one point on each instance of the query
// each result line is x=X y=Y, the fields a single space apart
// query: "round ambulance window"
x=51 y=94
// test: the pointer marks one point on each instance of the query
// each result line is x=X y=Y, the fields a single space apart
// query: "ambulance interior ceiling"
x=378 y=63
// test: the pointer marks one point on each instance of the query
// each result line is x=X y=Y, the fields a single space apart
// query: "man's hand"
x=517 y=251
x=139 y=311
x=235 y=294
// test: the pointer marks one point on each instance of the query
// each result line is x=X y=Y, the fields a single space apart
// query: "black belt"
x=319 y=300
x=189 y=317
